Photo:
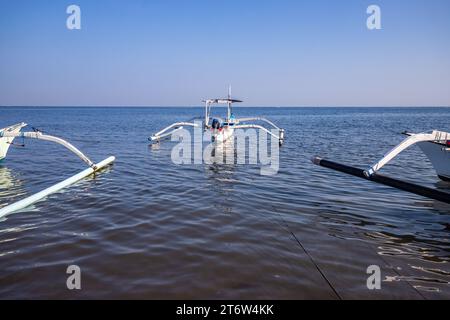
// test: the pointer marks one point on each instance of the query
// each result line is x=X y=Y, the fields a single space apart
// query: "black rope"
x=309 y=256
x=18 y=144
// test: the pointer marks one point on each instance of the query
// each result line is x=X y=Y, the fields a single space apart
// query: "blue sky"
x=273 y=53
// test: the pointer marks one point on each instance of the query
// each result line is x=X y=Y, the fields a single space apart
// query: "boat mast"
x=206 y=113
x=229 y=103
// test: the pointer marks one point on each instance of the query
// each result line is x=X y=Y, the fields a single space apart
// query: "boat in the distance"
x=7 y=136
x=222 y=129
x=435 y=145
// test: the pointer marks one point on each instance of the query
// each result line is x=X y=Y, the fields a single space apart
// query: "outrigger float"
x=7 y=136
x=221 y=129
x=435 y=145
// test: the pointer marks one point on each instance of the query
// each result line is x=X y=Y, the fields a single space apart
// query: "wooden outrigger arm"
x=40 y=136
x=280 y=135
x=163 y=133
x=434 y=145
x=7 y=136
x=435 y=136
x=259 y=119
x=388 y=181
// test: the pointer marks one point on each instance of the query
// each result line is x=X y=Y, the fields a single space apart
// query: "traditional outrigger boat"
x=435 y=145
x=221 y=130
x=8 y=134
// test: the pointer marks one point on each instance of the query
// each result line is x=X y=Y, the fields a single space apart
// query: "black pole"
x=402 y=185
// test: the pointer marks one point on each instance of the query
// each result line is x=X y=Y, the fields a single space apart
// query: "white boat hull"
x=221 y=136
x=439 y=157
x=5 y=142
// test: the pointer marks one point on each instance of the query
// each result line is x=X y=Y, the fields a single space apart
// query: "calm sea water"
x=147 y=228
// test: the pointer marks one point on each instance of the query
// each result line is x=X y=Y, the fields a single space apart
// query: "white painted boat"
x=435 y=145
x=438 y=152
x=6 y=142
x=7 y=136
x=222 y=130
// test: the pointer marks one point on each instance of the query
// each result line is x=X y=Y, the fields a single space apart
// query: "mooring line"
x=309 y=256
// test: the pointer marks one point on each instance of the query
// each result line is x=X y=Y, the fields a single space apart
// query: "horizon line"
x=201 y=106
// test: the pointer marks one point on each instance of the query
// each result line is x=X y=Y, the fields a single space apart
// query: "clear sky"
x=176 y=52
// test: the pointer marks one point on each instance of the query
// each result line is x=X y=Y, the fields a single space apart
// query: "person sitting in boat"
x=216 y=124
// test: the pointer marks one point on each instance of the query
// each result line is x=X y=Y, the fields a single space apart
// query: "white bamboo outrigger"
x=7 y=136
x=435 y=145
x=221 y=129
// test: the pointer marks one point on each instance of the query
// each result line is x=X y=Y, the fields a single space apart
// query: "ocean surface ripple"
x=148 y=228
